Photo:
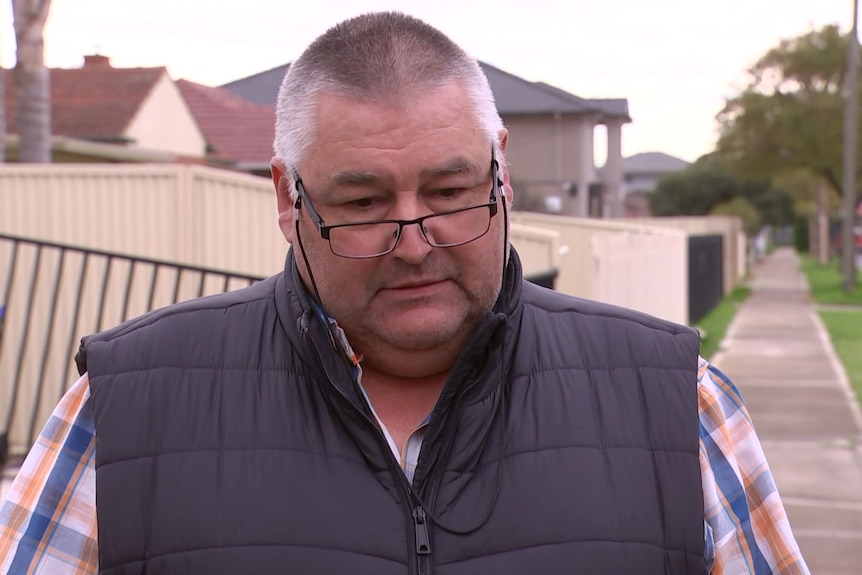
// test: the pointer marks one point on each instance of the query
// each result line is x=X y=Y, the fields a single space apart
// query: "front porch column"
x=612 y=201
x=585 y=165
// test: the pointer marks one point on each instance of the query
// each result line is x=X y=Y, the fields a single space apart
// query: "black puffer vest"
x=230 y=438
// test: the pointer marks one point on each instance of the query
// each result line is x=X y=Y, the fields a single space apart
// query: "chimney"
x=96 y=61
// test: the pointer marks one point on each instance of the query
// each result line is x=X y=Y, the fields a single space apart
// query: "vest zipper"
x=423 y=542
x=413 y=511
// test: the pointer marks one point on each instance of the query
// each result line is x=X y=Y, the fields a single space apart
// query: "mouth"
x=416 y=286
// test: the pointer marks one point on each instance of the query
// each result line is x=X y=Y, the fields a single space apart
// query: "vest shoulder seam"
x=609 y=312
x=196 y=305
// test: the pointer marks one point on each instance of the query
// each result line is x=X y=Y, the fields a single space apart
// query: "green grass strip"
x=827 y=283
x=844 y=325
x=845 y=329
x=714 y=325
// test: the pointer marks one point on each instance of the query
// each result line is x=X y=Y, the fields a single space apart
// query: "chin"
x=422 y=333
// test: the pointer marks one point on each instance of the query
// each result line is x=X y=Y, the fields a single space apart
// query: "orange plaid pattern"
x=48 y=520
x=749 y=528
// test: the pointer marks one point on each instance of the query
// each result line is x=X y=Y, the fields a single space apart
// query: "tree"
x=774 y=205
x=693 y=192
x=708 y=184
x=31 y=79
x=744 y=210
x=789 y=117
x=2 y=116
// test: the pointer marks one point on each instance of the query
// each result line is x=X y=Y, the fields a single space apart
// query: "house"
x=238 y=133
x=551 y=147
x=104 y=114
x=641 y=173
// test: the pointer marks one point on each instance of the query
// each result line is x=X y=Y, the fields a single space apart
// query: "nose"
x=412 y=247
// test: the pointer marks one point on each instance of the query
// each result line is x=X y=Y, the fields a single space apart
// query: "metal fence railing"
x=53 y=294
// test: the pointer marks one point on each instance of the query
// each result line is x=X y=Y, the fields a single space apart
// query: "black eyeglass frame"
x=324 y=229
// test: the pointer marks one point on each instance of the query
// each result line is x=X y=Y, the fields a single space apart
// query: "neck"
x=402 y=404
x=411 y=364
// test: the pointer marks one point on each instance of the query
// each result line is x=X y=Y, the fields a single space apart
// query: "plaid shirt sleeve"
x=48 y=520
x=750 y=532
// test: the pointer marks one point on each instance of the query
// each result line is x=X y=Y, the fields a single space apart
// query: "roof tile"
x=234 y=128
x=95 y=102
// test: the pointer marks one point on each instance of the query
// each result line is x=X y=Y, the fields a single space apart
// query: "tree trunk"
x=32 y=81
x=2 y=116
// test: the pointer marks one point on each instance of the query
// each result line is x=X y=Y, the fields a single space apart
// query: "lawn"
x=827 y=284
x=714 y=325
x=845 y=329
x=844 y=326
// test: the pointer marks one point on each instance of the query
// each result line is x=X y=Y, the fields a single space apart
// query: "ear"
x=284 y=200
x=504 y=167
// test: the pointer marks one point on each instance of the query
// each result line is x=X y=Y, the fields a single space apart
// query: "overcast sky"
x=674 y=60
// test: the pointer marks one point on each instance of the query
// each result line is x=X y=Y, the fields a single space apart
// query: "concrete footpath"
x=779 y=354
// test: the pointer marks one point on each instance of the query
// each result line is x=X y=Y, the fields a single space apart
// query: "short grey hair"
x=376 y=57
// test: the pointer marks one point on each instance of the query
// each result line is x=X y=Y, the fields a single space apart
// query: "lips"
x=414 y=285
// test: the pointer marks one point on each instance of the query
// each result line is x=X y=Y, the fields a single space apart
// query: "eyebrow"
x=454 y=167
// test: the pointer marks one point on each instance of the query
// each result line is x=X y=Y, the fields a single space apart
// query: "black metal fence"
x=705 y=275
x=53 y=294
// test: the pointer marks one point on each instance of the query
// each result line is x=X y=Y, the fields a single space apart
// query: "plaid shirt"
x=48 y=521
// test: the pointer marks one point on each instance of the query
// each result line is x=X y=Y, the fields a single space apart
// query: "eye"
x=362 y=203
x=449 y=192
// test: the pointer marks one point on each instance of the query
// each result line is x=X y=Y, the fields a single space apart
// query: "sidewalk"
x=779 y=354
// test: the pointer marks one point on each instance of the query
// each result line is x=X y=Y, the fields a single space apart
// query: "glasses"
x=371 y=239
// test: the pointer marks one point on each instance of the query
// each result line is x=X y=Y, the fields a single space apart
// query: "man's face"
x=399 y=161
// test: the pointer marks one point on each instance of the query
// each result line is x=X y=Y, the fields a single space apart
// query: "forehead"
x=402 y=137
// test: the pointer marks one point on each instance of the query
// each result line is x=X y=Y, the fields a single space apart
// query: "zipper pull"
x=423 y=543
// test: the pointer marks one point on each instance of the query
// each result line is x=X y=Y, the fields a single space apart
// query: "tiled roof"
x=513 y=94
x=653 y=163
x=261 y=88
x=95 y=102
x=616 y=107
x=234 y=128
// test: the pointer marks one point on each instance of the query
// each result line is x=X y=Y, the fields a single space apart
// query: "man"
x=399 y=400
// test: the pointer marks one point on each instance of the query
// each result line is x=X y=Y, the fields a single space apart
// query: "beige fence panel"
x=538 y=248
x=190 y=214
x=236 y=223
x=587 y=264
x=650 y=276
x=733 y=240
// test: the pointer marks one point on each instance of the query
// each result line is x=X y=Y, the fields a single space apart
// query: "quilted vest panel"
x=224 y=447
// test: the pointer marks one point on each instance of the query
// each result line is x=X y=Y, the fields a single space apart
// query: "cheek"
x=344 y=282
x=482 y=261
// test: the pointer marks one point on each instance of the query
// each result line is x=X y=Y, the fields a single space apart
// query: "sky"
x=675 y=61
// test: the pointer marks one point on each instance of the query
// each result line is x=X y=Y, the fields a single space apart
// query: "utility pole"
x=851 y=127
